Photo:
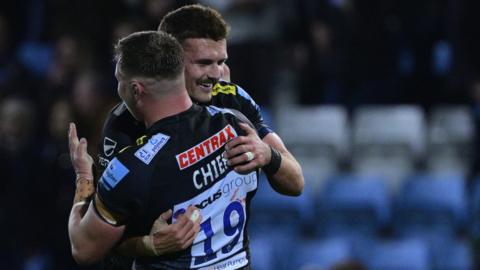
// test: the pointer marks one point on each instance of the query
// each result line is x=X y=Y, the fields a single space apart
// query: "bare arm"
x=164 y=238
x=287 y=180
x=90 y=237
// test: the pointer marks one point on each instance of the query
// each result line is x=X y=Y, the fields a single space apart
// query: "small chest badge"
x=109 y=146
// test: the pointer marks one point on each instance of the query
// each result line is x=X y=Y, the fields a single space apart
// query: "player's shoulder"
x=227 y=94
x=116 y=111
x=225 y=88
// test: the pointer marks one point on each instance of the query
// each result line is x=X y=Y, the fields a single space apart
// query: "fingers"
x=235 y=142
x=190 y=237
x=81 y=160
x=237 y=150
x=248 y=129
x=161 y=221
x=72 y=139
x=241 y=159
x=166 y=215
x=82 y=148
x=246 y=168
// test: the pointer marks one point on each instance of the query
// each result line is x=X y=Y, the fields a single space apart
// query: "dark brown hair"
x=194 y=21
x=150 y=54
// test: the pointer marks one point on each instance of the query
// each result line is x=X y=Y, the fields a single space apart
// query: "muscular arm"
x=287 y=180
x=90 y=237
x=164 y=238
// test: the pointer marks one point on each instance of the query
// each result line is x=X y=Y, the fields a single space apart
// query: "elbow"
x=294 y=189
x=298 y=189
x=299 y=183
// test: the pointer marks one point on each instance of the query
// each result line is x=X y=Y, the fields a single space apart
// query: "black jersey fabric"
x=121 y=129
x=176 y=164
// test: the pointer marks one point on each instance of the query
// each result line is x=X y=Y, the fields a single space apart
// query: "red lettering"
x=230 y=132
x=205 y=148
x=191 y=156
x=206 y=144
x=199 y=151
x=214 y=141
x=223 y=140
x=183 y=160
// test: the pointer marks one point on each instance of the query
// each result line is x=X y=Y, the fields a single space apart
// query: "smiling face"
x=204 y=61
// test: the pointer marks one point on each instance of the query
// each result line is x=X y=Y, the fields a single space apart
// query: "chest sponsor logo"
x=205 y=148
x=151 y=148
x=114 y=173
x=108 y=146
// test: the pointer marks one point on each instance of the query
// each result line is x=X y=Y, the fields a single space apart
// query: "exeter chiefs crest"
x=108 y=146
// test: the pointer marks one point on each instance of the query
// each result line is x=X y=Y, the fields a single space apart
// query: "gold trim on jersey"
x=141 y=140
x=226 y=89
x=102 y=210
x=123 y=149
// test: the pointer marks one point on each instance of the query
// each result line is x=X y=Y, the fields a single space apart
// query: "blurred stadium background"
x=378 y=99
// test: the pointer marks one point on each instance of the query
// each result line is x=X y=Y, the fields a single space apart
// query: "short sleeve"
x=252 y=111
x=123 y=187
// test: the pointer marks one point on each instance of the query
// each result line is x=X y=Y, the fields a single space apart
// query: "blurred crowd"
x=56 y=66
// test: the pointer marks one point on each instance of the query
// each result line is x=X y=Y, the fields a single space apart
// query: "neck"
x=167 y=106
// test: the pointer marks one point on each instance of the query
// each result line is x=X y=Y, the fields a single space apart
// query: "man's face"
x=204 y=62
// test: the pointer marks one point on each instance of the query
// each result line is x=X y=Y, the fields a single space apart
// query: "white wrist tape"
x=148 y=243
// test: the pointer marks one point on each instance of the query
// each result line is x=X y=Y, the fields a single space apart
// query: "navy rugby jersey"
x=179 y=163
x=121 y=129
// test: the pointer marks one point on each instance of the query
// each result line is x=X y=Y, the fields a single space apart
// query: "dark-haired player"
x=202 y=32
x=159 y=174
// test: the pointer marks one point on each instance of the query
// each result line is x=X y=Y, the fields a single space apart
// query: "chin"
x=204 y=98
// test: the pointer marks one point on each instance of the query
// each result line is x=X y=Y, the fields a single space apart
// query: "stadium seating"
x=264 y=254
x=475 y=207
x=431 y=206
x=321 y=254
x=269 y=208
x=318 y=137
x=388 y=140
x=450 y=140
x=383 y=212
x=449 y=254
x=352 y=207
x=411 y=254
x=273 y=248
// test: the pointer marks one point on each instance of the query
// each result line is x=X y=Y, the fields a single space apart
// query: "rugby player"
x=145 y=180
x=202 y=32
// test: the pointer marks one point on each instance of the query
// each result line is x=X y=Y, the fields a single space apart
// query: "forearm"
x=288 y=179
x=79 y=238
x=83 y=248
x=90 y=237
x=136 y=247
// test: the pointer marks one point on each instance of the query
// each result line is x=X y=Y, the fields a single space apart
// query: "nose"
x=215 y=72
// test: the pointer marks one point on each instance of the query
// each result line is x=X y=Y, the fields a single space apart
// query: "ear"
x=138 y=89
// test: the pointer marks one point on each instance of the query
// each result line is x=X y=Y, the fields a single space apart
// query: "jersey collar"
x=193 y=110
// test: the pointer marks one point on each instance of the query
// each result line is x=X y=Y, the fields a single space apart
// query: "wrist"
x=87 y=176
x=148 y=246
x=275 y=161
x=84 y=190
